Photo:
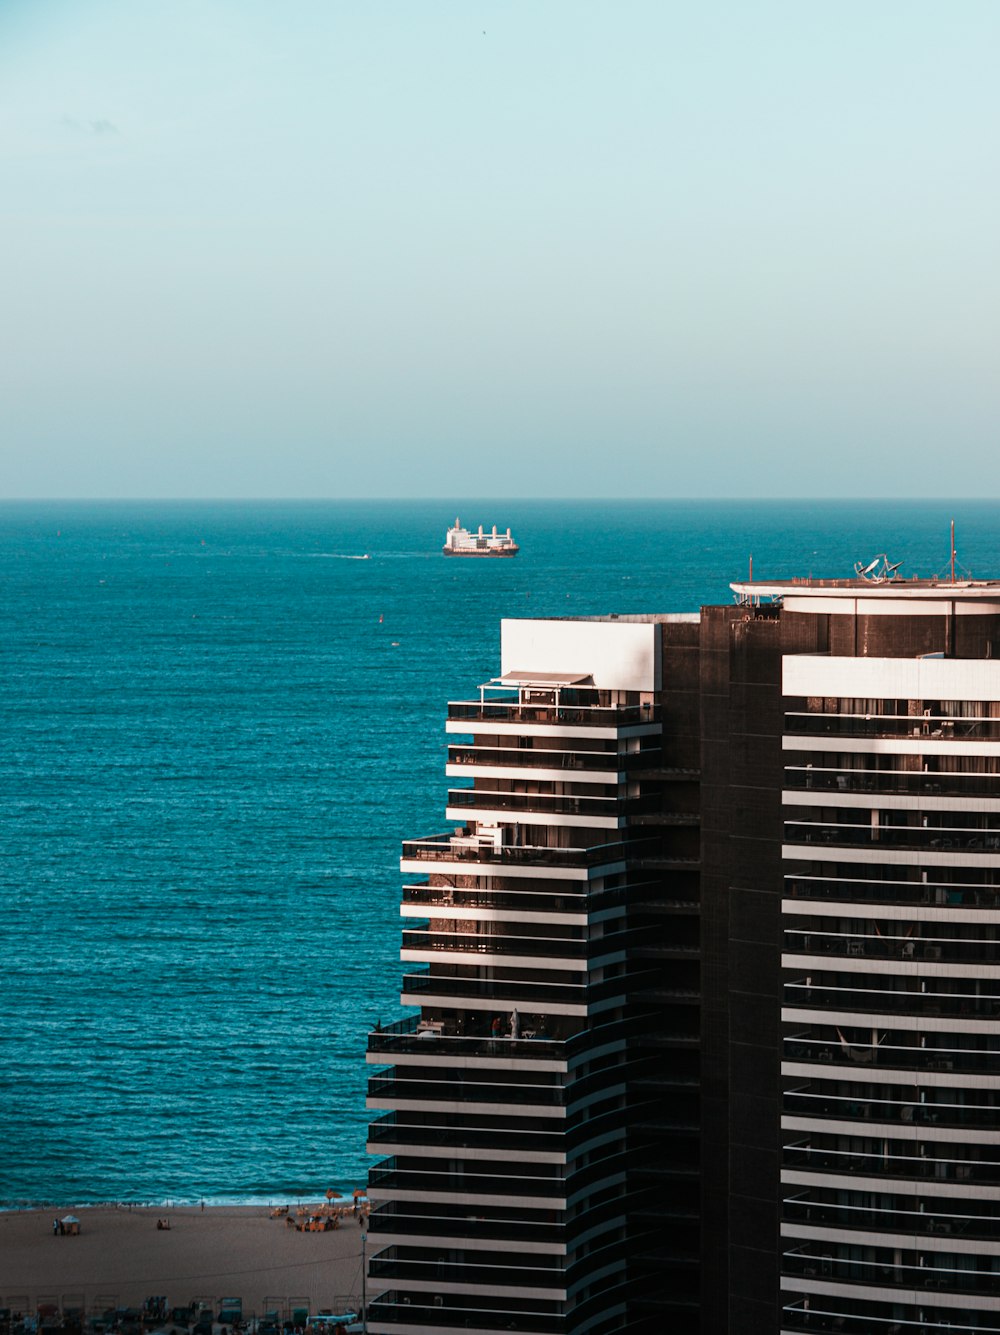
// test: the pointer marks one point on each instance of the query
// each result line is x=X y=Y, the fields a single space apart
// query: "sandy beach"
x=122 y=1258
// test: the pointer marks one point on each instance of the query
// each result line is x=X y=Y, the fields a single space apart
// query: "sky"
x=546 y=248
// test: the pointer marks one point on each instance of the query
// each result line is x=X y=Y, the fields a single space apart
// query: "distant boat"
x=460 y=542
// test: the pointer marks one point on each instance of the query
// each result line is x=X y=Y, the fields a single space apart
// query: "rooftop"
x=757 y=590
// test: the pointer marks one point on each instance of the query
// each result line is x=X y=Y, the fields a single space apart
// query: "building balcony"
x=868 y=998
x=572 y=716
x=893 y=783
x=557 y=949
x=443 y=1042
x=463 y=846
x=912 y=838
x=933 y=727
x=910 y=1167
x=561 y=898
x=437 y=1222
x=476 y=993
x=842 y=1316
x=612 y=764
x=850 y=892
x=886 y=1106
x=942 y=1218
x=413 y=1314
x=402 y=1088
x=939 y=1274
x=392 y=1135
x=388 y=1183
x=893 y=944
x=617 y=808
x=474 y=1272
x=889 y=1056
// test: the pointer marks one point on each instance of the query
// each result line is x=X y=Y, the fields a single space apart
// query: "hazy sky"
x=447 y=247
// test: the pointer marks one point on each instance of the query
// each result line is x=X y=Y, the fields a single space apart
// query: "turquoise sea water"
x=218 y=724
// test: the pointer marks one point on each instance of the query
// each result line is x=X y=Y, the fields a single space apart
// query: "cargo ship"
x=460 y=542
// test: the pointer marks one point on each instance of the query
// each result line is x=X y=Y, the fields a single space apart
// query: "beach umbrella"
x=69 y=1219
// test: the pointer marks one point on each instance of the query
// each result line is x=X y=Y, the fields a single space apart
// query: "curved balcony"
x=475 y=1271
x=445 y=1045
x=445 y=1178
x=479 y=992
x=418 y=1310
x=514 y=1226
x=448 y=1089
x=391 y=1131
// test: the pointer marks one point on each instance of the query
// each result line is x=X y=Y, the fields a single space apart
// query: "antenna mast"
x=953 y=551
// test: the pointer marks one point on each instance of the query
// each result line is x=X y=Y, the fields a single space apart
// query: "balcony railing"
x=950 y=839
x=893 y=782
x=445 y=1178
x=879 y=1001
x=849 y=1107
x=419 y=1312
x=462 y=846
x=603 y=762
x=390 y=1131
x=942 y=1219
x=816 y=1159
x=558 y=897
x=613 y=716
x=442 y=1223
x=849 y=890
x=897 y=946
x=801 y=724
x=828 y=1314
x=932 y=1276
x=472 y=1271
x=886 y=1055
x=539 y=947
x=482 y=799
x=399 y=1087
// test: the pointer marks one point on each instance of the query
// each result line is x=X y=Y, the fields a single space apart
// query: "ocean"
x=219 y=721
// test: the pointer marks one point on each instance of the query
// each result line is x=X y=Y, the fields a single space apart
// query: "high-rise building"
x=707 y=978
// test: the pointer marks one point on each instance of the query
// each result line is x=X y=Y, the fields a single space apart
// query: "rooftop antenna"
x=953 y=551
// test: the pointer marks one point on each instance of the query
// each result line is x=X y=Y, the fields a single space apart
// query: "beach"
x=121 y=1258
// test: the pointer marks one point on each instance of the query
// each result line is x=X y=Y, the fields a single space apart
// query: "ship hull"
x=493 y=554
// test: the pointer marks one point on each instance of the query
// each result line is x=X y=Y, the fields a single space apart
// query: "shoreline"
x=120 y=1257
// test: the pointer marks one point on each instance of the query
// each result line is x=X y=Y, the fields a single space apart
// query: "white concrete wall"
x=620 y=655
x=902 y=678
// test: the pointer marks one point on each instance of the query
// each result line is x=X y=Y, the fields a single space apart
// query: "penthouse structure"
x=707 y=980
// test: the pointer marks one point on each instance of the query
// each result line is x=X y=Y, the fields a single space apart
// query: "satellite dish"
x=879 y=571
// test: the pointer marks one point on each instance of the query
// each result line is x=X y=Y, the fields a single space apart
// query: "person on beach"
x=55 y=1227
